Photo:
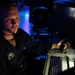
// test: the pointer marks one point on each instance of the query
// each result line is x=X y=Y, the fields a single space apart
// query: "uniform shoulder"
x=22 y=32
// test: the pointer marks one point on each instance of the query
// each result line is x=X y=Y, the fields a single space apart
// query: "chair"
x=40 y=15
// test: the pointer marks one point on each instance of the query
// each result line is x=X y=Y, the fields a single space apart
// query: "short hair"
x=7 y=4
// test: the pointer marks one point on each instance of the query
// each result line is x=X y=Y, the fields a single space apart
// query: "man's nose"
x=13 y=21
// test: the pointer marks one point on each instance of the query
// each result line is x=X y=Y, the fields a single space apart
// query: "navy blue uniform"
x=12 y=62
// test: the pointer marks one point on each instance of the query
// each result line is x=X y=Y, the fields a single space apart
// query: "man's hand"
x=59 y=45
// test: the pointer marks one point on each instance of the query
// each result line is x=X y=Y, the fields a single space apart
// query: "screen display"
x=63 y=20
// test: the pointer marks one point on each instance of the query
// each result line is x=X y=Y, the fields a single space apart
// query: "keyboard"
x=56 y=62
x=55 y=65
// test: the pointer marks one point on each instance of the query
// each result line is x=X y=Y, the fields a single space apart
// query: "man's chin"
x=14 y=31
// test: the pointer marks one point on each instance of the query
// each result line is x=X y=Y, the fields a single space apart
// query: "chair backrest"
x=36 y=4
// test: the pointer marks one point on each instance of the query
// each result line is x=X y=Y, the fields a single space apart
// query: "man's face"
x=10 y=21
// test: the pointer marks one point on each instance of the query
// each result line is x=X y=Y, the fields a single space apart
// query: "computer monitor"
x=63 y=20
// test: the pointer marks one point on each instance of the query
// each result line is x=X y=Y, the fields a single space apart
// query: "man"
x=13 y=40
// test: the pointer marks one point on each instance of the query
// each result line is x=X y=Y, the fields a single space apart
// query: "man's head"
x=9 y=18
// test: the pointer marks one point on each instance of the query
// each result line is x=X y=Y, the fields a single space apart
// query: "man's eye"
x=7 y=20
x=17 y=18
